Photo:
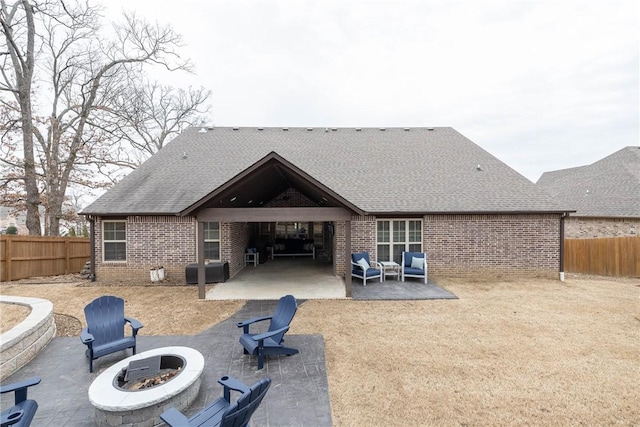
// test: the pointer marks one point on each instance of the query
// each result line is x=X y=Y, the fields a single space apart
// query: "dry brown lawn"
x=539 y=352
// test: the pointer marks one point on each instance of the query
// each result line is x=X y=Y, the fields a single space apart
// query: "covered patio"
x=306 y=278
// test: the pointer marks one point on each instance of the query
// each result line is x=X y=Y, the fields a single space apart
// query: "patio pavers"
x=299 y=393
x=396 y=290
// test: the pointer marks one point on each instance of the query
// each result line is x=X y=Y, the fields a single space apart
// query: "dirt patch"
x=67 y=326
x=528 y=352
x=11 y=315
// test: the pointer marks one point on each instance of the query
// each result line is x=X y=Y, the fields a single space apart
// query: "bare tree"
x=18 y=28
x=83 y=78
x=149 y=115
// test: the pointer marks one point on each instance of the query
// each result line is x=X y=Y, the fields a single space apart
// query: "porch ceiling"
x=265 y=181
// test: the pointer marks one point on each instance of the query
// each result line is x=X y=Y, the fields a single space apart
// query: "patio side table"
x=390 y=268
x=251 y=258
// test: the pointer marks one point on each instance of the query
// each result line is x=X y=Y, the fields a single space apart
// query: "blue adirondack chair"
x=23 y=409
x=414 y=264
x=270 y=342
x=104 y=333
x=222 y=412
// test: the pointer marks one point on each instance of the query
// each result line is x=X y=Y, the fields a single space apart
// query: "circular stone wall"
x=24 y=341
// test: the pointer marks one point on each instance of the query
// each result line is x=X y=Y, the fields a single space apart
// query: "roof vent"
x=309 y=129
x=202 y=130
x=429 y=128
x=235 y=128
x=334 y=129
x=285 y=129
x=260 y=128
x=383 y=129
x=479 y=168
x=358 y=129
x=407 y=129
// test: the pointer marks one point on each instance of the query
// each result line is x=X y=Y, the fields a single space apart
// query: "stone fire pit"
x=115 y=406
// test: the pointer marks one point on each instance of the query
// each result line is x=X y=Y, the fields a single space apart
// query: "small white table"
x=251 y=258
x=390 y=268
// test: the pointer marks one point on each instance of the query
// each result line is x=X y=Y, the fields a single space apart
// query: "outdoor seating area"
x=236 y=371
x=301 y=378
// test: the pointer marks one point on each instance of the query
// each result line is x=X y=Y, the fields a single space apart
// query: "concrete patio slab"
x=298 y=395
x=305 y=278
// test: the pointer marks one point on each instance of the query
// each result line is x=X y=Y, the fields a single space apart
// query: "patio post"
x=201 y=271
x=347 y=258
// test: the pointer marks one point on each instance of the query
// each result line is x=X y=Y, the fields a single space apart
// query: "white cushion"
x=364 y=264
x=417 y=263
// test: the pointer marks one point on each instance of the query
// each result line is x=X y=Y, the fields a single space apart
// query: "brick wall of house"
x=474 y=245
x=457 y=245
x=152 y=241
x=234 y=241
x=592 y=228
x=339 y=247
x=492 y=245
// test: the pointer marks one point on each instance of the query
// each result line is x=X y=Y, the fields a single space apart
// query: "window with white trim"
x=114 y=241
x=212 y=241
x=396 y=236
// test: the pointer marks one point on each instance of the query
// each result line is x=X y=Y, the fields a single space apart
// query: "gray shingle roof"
x=429 y=170
x=609 y=187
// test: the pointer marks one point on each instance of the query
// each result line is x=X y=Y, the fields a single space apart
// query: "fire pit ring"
x=115 y=406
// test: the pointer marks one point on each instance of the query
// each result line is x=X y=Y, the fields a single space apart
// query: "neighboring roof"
x=378 y=171
x=609 y=187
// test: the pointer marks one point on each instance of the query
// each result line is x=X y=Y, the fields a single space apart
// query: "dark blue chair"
x=270 y=343
x=414 y=264
x=104 y=333
x=366 y=269
x=222 y=412
x=23 y=410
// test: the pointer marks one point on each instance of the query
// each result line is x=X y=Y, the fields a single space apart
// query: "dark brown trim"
x=273 y=214
x=347 y=258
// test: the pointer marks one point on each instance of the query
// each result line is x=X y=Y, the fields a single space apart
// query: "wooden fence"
x=22 y=257
x=614 y=256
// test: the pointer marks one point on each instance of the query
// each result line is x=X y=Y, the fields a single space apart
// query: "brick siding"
x=592 y=228
x=152 y=241
x=457 y=245
x=492 y=245
x=477 y=245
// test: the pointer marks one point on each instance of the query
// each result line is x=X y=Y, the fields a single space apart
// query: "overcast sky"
x=541 y=85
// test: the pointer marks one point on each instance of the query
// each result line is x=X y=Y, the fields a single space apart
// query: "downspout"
x=92 y=239
x=562 y=246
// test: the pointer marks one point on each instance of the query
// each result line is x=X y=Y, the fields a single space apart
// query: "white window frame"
x=218 y=240
x=405 y=241
x=105 y=241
